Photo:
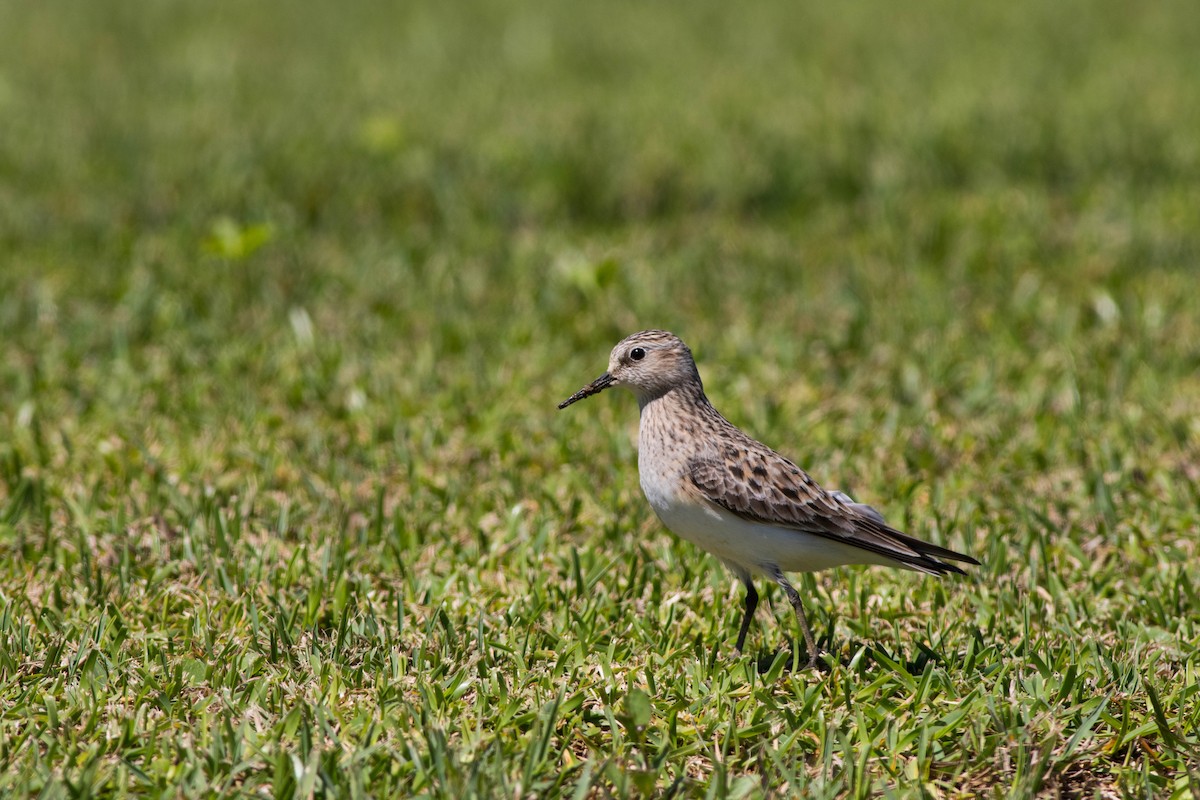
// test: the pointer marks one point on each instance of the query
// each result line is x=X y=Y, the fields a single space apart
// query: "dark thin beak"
x=595 y=387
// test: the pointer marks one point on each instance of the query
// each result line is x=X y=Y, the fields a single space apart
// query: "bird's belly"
x=755 y=547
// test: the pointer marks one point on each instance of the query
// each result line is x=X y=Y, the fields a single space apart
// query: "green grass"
x=287 y=299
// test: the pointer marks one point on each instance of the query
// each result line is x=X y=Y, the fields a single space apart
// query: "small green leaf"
x=230 y=240
x=638 y=708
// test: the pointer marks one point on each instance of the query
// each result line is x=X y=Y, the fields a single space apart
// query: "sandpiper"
x=737 y=498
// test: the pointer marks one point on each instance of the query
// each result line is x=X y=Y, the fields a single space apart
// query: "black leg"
x=751 y=604
x=798 y=604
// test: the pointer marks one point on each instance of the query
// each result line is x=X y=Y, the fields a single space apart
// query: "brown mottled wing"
x=765 y=487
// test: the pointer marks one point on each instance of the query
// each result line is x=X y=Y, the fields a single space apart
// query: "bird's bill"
x=595 y=387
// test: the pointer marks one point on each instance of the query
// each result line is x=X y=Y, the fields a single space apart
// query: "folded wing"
x=766 y=488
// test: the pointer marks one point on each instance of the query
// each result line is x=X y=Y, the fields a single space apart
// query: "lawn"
x=288 y=296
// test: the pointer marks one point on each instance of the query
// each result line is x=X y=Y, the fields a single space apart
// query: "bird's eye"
x=637 y=354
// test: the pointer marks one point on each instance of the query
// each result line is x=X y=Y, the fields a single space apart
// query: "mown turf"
x=287 y=298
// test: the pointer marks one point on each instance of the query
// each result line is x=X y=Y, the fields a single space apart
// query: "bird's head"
x=649 y=363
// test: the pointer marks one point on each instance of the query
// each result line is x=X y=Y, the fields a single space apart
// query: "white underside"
x=751 y=546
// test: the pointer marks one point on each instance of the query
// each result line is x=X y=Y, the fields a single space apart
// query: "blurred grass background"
x=288 y=294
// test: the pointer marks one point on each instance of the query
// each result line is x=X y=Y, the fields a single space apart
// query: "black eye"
x=637 y=354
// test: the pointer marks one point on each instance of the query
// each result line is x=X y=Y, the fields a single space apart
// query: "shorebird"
x=735 y=497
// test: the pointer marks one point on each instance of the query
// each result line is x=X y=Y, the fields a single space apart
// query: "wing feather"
x=767 y=488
